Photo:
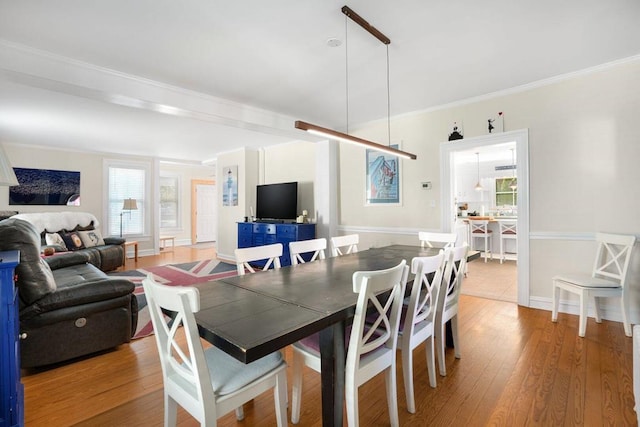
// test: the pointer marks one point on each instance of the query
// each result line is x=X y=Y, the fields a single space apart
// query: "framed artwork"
x=383 y=178
x=496 y=124
x=45 y=187
x=230 y=186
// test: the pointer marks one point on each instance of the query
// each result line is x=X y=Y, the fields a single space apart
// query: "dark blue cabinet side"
x=11 y=389
x=258 y=234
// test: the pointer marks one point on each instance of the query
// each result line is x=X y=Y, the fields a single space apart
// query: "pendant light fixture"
x=514 y=182
x=478 y=185
x=345 y=137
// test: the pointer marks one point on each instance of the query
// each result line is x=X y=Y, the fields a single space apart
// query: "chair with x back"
x=270 y=253
x=371 y=349
x=437 y=240
x=508 y=231
x=447 y=308
x=417 y=322
x=480 y=229
x=607 y=279
x=344 y=245
x=207 y=384
x=316 y=246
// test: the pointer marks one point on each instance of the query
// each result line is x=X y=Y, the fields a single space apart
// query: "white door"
x=206 y=215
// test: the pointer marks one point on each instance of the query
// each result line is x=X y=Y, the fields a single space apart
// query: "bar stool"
x=480 y=228
x=508 y=231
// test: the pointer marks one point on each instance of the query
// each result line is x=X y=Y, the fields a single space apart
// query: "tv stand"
x=267 y=232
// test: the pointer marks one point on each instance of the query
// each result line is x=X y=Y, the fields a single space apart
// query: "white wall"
x=228 y=216
x=293 y=162
x=584 y=148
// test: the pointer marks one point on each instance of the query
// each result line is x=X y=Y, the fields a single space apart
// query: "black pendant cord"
x=346 y=70
x=388 y=101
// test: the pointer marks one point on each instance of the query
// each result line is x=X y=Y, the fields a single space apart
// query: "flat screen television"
x=277 y=201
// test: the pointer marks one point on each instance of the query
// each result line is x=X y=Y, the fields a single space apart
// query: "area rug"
x=174 y=275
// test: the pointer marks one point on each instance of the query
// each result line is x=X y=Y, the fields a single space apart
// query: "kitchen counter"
x=488 y=218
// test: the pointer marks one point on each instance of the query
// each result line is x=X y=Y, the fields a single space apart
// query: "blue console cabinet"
x=11 y=389
x=266 y=233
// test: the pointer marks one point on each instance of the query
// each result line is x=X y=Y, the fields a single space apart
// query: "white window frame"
x=178 y=180
x=143 y=205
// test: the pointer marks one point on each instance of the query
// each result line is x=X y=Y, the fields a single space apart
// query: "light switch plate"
x=427 y=185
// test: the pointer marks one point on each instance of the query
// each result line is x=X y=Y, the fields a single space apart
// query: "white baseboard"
x=611 y=311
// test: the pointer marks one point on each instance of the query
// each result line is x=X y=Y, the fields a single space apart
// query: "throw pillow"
x=55 y=239
x=72 y=240
x=91 y=238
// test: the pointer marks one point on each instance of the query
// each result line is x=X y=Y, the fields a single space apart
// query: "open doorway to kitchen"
x=452 y=157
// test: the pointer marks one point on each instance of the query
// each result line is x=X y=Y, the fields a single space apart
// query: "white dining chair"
x=245 y=256
x=480 y=229
x=344 y=245
x=508 y=231
x=371 y=349
x=207 y=384
x=608 y=279
x=437 y=240
x=447 y=308
x=297 y=249
x=418 y=320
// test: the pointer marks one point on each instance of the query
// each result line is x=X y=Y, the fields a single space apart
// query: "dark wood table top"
x=253 y=315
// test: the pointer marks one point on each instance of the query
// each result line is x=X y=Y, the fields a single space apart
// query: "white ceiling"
x=189 y=79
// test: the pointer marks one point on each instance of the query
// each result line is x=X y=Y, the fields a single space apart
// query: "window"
x=126 y=181
x=169 y=202
x=505 y=195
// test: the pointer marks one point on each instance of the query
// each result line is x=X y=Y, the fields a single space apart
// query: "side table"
x=133 y=243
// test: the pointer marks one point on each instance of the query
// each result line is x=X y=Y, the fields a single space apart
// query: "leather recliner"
x=68 y=307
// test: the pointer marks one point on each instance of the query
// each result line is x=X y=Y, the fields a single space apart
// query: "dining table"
x=249 y=316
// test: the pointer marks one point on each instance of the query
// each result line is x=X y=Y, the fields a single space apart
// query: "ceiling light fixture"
x=345 y=137
x=478 y=186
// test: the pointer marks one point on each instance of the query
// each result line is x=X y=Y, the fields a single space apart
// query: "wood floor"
x=517 y=368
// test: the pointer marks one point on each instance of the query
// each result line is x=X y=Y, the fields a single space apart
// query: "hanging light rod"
x=329 y=133
x=364 y=24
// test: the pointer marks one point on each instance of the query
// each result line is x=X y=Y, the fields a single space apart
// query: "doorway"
x=449 y=207
x=204 y=218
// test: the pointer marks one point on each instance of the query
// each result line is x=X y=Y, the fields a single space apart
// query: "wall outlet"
x=427 y=185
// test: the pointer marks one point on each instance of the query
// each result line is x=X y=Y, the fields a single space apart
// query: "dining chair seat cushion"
x=311 y=344
x=588 y=281
x=231 y=374
x=482 y=231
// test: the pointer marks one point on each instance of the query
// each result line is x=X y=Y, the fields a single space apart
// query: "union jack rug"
x=173 y=275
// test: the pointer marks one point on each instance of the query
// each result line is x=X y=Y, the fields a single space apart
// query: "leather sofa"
x=68 y=307
x=106 y=253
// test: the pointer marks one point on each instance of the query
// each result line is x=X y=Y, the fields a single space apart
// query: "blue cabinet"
x=11 y=389
x=262 y=233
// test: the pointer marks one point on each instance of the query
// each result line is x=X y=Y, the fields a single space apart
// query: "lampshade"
x=7 y=175
x=130 y=205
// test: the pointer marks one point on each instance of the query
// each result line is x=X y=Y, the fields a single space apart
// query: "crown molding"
x=45 y=70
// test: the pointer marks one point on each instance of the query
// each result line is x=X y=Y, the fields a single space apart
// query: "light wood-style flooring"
x=517 y=368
